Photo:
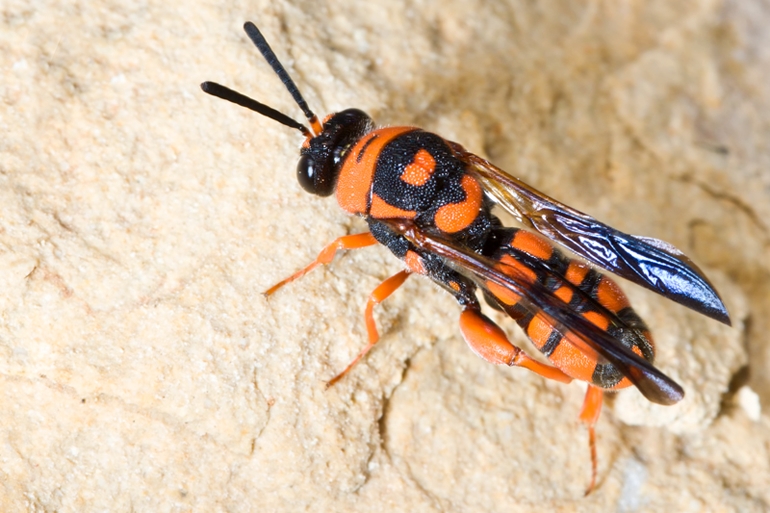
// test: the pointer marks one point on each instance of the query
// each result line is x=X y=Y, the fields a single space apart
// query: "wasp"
x=429 y=201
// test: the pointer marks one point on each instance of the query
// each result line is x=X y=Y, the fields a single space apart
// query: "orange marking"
x=573 y=361
x=531 y=244
x=576 y=272
x=413 y=262
x=420 y=170
x=457 y=216
x=564 y=293
x=354 y=183
x=598 y=319
x=516 y=269
x=383 y=210
x=610 y=296
x=539 y=329
x=454 y=286
x=503 y=294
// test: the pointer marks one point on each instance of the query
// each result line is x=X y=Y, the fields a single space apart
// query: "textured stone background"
x=142 y=370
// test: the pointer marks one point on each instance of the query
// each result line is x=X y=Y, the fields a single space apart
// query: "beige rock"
x=143 y=370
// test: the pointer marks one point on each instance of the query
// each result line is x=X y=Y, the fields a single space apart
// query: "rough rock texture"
x=141 y=368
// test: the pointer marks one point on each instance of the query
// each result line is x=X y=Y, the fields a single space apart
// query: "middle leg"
x=378 y=295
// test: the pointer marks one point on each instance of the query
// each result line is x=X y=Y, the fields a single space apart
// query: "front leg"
x=359 y=240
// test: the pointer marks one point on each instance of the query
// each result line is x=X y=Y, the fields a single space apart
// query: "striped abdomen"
x=583 y=290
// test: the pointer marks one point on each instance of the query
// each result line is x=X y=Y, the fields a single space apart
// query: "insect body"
x=429 y=201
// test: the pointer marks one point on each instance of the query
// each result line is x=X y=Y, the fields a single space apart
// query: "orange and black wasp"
x=429 y=201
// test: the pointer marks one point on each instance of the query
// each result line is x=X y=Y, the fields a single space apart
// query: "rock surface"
x=143 y=370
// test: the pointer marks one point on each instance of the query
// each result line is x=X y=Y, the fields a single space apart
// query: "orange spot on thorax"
x=380 y=209
x=455 y=217
x=420 y=170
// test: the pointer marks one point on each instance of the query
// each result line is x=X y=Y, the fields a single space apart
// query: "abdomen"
x=524 y=254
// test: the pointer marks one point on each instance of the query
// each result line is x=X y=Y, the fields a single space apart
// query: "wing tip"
x=711 y=306
x=722 y=316
x=660 y=390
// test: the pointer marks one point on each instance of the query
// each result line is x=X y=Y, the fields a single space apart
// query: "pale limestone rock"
x=143 y=370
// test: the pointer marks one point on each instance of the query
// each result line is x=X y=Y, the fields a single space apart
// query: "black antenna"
x=228 y=94
x=261 y=43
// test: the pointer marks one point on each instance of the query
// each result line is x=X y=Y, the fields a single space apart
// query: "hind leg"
x=487 y=340
x=592 y=407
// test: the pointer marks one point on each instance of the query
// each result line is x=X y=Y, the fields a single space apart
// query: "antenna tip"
x=206 y=86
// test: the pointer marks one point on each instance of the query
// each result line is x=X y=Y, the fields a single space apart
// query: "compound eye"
x=314 y=178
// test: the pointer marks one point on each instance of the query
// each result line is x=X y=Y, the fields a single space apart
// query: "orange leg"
x=592 y=407
x=378 y=295
x=359 y=240
x=487 y=340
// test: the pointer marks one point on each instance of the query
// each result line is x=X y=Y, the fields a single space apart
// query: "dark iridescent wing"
x=648 y=262
x=652 y=383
